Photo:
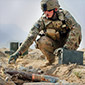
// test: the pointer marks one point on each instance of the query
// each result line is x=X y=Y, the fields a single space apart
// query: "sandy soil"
x=71 y=73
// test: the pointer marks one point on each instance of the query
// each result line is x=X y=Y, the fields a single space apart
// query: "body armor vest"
x=56 y=29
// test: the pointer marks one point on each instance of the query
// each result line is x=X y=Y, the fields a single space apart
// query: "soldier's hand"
x=13 y=58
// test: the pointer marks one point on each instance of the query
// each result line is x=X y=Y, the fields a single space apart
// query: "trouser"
x=48 y=46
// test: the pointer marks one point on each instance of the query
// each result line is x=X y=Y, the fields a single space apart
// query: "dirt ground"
x=71 y=73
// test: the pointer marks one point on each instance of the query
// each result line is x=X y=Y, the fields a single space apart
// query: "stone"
x=30 y=67
x=40 y=72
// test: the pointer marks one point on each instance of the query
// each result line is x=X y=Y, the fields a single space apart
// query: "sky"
x=18 y=16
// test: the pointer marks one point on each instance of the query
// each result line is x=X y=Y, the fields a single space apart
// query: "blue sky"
x=18 y=16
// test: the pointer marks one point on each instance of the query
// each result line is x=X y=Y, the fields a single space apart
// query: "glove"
x=13 y=58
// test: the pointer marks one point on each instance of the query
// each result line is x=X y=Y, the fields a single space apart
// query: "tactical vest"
x=56 y=29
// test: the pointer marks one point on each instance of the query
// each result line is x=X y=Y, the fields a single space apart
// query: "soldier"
x=60 y=30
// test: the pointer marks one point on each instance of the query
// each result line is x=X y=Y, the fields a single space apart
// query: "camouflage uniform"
x=64 y=31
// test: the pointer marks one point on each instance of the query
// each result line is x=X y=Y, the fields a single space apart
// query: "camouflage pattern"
x=47 y=46
x=39 y=25
x=49 y=4
x=64 y=31
x=74 y=36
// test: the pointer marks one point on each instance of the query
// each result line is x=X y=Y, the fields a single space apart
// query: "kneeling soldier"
x=60 y=30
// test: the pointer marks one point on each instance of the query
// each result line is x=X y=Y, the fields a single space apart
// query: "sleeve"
x=38 y=26
x=74 y=36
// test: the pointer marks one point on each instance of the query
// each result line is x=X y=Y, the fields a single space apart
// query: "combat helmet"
x=49 y=4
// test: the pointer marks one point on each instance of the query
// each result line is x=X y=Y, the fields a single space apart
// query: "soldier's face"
x=49 y=14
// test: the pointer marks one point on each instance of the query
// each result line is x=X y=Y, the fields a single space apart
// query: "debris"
x=36 y=54
x=2 y=81
x=40 y=72
x=30 y=67
x=33 y=77
x=22 y=68
x=2 y=54
x=71 y=74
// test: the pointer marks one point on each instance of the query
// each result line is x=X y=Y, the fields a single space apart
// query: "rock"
x=0 y=64
x=2 y=81
x=30 y=67
x=27 y=69
x=63 y=82
x=32 y=70
x=2 y=54
x=10 y=83
x=79 y=73
x=36 y=54
x=8 y=77
x=22 y=68
x=40 y=72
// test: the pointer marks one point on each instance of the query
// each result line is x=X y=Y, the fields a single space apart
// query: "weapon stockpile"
x=31 y=77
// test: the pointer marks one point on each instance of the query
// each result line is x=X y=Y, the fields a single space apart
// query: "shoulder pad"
x=69 y=19
x=61 y=15
x=65 y=11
